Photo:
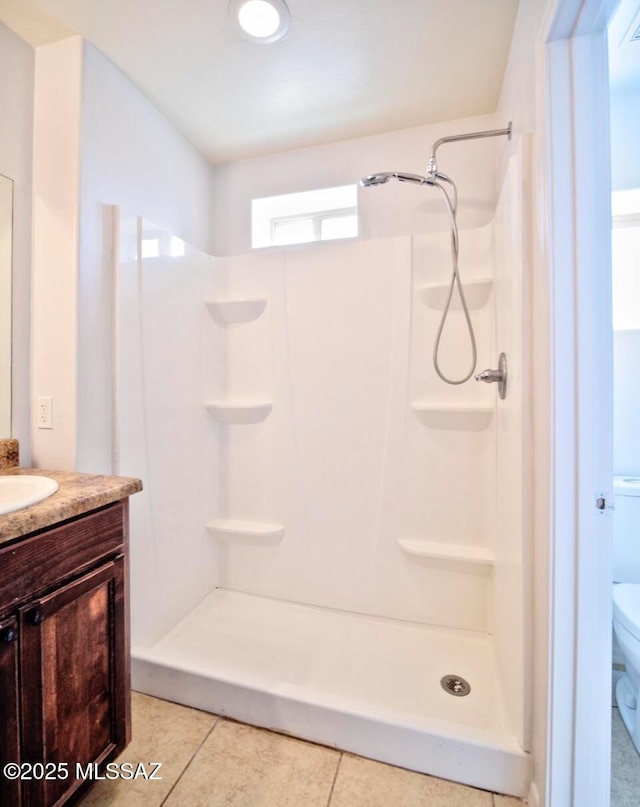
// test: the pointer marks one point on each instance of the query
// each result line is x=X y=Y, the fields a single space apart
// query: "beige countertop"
x=77 y=494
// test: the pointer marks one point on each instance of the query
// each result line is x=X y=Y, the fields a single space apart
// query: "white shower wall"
x=513 y=541
x=343 y=350
x=343 y=463
x=162 y=434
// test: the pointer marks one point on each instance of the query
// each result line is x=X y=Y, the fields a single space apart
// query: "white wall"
x=386 y=211
x=131 y=157
x=98 y=143
x=17 y=69
x=517 y=98
x=625 y=135
x=626 y=399
x=625 y=170
x=6 y=227
x=56 y=181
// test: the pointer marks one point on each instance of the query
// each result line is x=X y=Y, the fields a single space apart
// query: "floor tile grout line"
x=193 y=756
x=335 y=777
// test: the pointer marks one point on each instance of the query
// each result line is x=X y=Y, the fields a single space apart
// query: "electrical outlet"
x=45 y=413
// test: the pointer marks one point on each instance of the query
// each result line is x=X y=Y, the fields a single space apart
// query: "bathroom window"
x=161 y=245
x=299 y=218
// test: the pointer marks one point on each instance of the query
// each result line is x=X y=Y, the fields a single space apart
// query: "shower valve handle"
x=490 y=376
x=498 y=376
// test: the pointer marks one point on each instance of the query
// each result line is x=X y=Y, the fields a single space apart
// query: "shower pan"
x=319 y=545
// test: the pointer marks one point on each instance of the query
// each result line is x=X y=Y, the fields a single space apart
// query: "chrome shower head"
x=375 y=179
x=381 y=179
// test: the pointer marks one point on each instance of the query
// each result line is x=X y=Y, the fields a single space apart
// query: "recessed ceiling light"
x=260 y=20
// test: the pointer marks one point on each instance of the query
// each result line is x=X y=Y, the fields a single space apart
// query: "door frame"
x=574 y=213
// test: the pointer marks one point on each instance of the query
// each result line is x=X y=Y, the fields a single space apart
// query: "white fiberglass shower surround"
x=321 y=539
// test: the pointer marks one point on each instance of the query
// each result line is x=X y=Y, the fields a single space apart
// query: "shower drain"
x=455 y=685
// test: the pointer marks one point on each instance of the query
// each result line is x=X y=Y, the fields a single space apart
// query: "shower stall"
x=332 y=542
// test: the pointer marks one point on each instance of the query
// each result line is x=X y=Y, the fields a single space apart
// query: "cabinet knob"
x=9 y=635
x=35 y=617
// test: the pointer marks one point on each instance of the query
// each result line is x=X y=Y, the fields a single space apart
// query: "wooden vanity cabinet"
x=9 y=710
x=64 y=663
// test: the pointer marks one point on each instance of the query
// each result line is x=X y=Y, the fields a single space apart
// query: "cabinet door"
x=74 y=674
x=9 y=718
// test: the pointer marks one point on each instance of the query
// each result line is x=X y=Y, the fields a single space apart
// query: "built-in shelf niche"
x=247 y=533
x=453 y=417
x=239 y=412
x=236 y=309
x=476 y=293
x=479 y=557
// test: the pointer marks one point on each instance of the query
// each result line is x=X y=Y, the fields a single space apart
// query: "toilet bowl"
x=626 y=626
x=626 y=599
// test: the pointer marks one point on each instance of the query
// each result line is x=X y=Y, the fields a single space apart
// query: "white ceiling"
x=347 y=68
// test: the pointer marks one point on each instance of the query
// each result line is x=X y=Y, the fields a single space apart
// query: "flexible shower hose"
x=455 y=280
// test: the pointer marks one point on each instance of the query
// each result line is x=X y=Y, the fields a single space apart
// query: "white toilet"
x=626 y=598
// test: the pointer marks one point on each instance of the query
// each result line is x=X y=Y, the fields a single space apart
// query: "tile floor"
x=210 y=762
x=625 y=766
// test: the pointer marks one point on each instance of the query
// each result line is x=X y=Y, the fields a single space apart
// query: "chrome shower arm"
x=432 y=170
x=469 y=136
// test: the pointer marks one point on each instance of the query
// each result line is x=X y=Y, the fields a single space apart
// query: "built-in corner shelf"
x=453 y=417
x=478 y=556
x=249 y=533
x=476 y=293
x=239 y=412
x=236 y=309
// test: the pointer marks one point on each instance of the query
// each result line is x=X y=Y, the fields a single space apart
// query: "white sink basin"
x=17 y=492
